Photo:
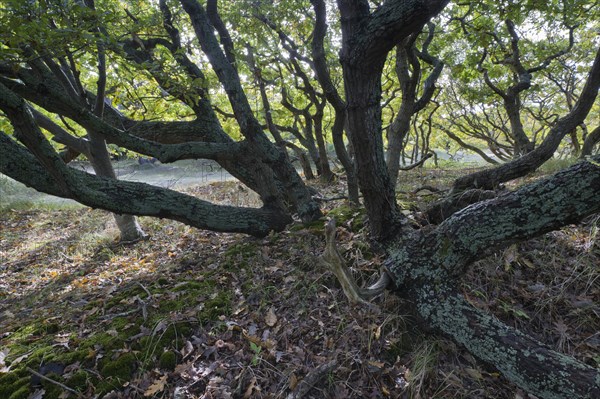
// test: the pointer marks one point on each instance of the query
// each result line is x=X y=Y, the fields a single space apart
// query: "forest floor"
x=196 y=314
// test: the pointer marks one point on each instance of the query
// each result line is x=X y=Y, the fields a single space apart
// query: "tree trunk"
x=303 y=159
x=100 y=159
x=326 y=173
x=363 y=94
x=522 y=144
x=590 y=141
x=396 y=134
x=333 y=97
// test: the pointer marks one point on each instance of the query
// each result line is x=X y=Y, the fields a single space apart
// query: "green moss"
x=78 y=381
x=50 y=328
x=173 y=337
x=11 y=383
x=122 y=368
x=124 y=295
x=315 y=227
x=107 y=341
x=244 y=250
x=106 y=386
x=191 y=286
x=237 y=256
x=162 y=281
x=349 y=215
x=215 y=307
x=52 y=391
x=168 y=360
x=20 y=393
x=80 y=355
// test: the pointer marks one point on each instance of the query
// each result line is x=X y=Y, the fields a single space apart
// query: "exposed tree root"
x=333 y=260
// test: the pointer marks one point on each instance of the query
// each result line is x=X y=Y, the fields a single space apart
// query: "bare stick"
x=66 y=388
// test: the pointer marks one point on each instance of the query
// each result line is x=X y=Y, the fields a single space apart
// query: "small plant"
x=257 y=349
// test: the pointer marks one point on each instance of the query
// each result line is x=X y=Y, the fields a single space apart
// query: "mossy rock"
x=167 y=361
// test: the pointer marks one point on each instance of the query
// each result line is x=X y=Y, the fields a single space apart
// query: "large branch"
x=543 y=206
x=386 y=26
x=50 y=97
x=485 y=227
x=523 y=360
x=137 y=198
x=426 y=266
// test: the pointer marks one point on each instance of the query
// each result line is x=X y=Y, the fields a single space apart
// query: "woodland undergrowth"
x=190 y=313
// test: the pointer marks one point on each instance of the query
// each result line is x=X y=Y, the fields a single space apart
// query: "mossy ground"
x=223 y=314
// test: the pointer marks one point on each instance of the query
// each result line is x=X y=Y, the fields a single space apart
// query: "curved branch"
x=138 y=198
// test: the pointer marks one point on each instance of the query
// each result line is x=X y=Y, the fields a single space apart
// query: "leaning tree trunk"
x=427 y=266
x=100 y=159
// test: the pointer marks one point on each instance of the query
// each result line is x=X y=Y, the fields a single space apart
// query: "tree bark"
x=366 y=40
x=99 y=157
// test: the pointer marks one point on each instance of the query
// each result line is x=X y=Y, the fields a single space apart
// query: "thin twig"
x=66 y=388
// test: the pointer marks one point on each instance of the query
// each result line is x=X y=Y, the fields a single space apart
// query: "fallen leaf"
x=3 y=354
x=156 y=387
x=19 y=359
x=187 y=349
x=476 y=374
x=251 y=387
x=271 y=318
x=293 y=381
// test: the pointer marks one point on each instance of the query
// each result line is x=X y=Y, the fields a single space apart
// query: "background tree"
x=409 y=67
